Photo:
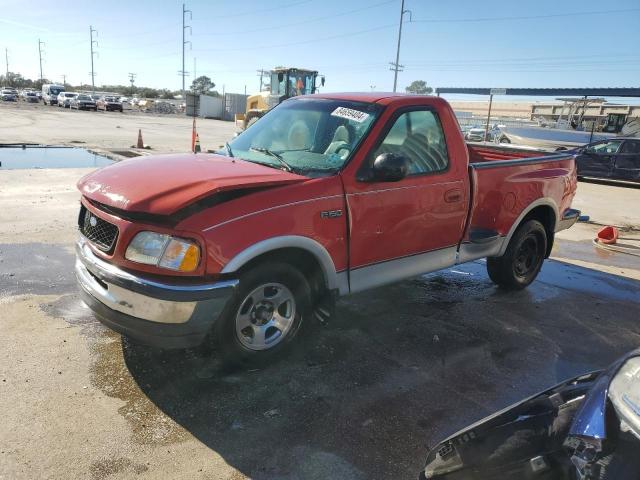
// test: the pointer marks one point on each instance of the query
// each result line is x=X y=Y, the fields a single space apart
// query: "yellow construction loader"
x=284 y=83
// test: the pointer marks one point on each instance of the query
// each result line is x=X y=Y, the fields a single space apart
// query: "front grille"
x=98 y=231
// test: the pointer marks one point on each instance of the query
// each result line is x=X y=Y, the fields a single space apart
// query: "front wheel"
x=522 y=261
x=264 y=315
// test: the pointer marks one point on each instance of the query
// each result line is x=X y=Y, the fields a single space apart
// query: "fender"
x=333 y=280
x=545 y=201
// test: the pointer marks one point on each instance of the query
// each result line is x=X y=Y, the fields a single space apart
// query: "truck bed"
x=506 y=181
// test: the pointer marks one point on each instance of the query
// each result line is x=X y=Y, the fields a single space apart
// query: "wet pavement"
x=396 y=370
x=14 y=157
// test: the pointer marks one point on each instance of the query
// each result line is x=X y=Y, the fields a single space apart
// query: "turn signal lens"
x=181 y=255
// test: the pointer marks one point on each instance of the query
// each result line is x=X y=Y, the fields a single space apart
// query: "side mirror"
x=322 y=81
x=390 y=167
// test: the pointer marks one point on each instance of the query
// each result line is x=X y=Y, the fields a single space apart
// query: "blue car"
x=587 y=428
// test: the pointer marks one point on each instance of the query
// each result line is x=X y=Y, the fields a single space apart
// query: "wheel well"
x=302 y=259
x=547 y=217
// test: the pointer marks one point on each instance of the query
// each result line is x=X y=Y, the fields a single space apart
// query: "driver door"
x=403 y=228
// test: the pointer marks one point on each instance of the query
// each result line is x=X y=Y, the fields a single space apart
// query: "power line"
x=92 y=42
x=525 y=17
x=268 y=9
x=395 y=66
x=300 y=42
x=261 y=74
x=40 y=43
x=303 y=22
x=184 y=42
x=132 y=78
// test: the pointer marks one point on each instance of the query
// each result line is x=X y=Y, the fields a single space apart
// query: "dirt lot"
x=52 y=125
x=396 y=370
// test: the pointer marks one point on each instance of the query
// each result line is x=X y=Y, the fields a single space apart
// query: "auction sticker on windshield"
x=350 y=114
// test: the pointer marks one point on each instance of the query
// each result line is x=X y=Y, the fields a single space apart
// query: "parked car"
x=82 y=101
x=50 y=93
x=7 y=95
x=31 y=97
x=326 y=195
x=614 y=159
x=586 y=428
x=64 y=99
x=108 y=103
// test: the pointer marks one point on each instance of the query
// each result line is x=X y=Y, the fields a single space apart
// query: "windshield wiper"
x=228 y=147
x=275 y=155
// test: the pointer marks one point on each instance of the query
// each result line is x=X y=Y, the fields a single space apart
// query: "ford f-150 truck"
x=326 y=195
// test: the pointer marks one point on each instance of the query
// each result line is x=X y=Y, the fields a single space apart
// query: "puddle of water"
x=49 y=157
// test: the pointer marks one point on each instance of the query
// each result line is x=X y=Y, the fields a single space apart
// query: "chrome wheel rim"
x=265 y=316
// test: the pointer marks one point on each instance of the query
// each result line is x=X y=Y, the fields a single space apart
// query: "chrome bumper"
x=152 y=312
x=569 y=217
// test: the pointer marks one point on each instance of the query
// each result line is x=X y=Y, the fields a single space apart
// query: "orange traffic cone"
x=196 y=148
x=140 y=144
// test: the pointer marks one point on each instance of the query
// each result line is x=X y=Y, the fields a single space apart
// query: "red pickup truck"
x=326 y=195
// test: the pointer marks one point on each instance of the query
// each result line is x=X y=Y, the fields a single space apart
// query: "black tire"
x=250 y=119
x=521 y=262
x=227 y=334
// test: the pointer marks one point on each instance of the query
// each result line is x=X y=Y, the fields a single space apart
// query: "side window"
x=417 y=136
x=631 y=146
x=605 y=148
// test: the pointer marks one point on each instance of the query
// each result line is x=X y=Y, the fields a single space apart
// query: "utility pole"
x=261 y=74
x=132 y=78
x=40 y=55
x=194 y=68
x=184 y=42
x=93 y=73
x=64 y=80
x=395 y=66
x=6 y=55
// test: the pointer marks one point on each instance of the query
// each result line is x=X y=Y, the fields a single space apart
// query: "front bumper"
x=150 y=312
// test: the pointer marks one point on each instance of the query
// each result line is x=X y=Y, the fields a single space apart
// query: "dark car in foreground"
x=586 y=428
x=83 y=102
x=109 y=103
x=613 y=159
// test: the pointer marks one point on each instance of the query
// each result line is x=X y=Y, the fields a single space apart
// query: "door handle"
x=453 y=196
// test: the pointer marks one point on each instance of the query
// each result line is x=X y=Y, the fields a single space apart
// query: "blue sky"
x=351 y=42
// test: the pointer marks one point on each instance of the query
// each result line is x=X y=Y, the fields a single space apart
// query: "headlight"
x=164 y=251
x=624 y=393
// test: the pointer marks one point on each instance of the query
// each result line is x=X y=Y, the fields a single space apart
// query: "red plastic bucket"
x=608 y=235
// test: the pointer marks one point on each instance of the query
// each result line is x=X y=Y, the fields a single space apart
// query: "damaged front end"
x=587 y=428
x=522 y=441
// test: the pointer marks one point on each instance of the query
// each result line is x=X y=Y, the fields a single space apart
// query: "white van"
x=50 y=92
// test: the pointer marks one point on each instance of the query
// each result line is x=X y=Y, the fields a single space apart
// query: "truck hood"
x=164 y=184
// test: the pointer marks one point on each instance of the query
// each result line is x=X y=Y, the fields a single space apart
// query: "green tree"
x=202 y=85
x=419 y=87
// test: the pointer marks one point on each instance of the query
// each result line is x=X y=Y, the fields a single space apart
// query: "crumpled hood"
x=164 y=184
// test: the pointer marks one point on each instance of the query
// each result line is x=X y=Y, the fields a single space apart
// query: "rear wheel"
x=521 y=262
x=264 y=315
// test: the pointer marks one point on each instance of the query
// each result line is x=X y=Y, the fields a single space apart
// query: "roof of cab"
x=370 y=97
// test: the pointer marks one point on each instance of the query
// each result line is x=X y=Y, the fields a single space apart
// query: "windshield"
x=310 y=135
x=54 y=90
